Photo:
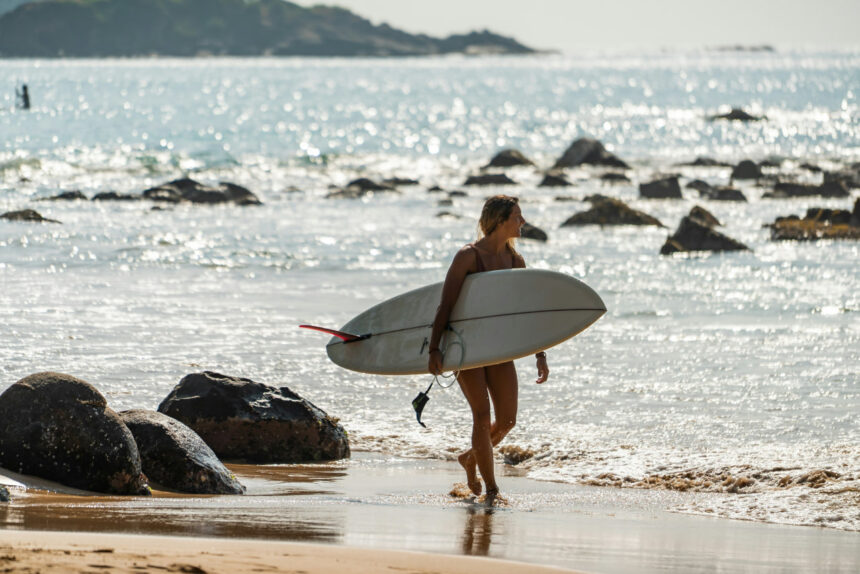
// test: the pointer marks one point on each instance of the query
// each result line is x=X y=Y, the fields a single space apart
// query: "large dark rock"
x=60 y=428
x=704 y=216
x=529 y=231
x=784 y=190
x=746 y=169
x=849 y=176
x=27 y=215
x=509 y=158
x=694 y=235
x=588 y=151
x=665 y=188
x=609 y=211
x=244 y=420
x=819 y=223
x=554 y=180
x=737 y=114
x=189 y=190
x=490 y=179
x=175 y=456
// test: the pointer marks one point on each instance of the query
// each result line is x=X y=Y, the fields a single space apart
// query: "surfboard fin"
x=345 y=337
x=419 y=402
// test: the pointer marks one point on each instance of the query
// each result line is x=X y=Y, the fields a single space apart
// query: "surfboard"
x=499 y=316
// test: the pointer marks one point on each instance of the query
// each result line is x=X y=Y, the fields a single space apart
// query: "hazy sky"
x=570 y=25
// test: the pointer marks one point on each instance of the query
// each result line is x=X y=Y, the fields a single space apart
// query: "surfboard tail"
x=343 y=336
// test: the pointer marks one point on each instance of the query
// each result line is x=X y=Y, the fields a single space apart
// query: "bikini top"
x=481 y=267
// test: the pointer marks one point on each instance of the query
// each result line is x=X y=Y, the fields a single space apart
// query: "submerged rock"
x=588 y=151
x=174 y=456
x=529 y=231
x=114 y=196
x=612 y=177
x=737 y=114
x=66 y=196
x=554 y=180
x=27 y=215
x=490 y=179
x=706 y=162
x=609 y=211
x=244 y=420
x=189 y=190
x=665 y=188
x=57 y=427
x=716 y=193
x=395 y=181
x=694 y=235
x=783 y=190
x=509 y=158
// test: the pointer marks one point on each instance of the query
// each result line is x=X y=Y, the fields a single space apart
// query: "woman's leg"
x=473 y=383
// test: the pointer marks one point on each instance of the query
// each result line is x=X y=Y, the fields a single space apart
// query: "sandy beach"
x=377 y=513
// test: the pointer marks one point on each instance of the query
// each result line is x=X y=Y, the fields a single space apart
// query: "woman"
x=500 y=223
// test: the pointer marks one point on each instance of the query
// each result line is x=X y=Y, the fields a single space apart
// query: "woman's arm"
x=463 y=262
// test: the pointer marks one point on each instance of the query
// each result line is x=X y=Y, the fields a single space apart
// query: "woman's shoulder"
x=467 y=256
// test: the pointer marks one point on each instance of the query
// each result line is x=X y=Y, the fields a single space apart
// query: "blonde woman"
x=499 y=226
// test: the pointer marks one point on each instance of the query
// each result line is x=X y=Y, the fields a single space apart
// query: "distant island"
x=189 y=28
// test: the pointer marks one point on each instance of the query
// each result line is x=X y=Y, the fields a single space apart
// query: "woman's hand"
x=543 y=370
x=434 y=365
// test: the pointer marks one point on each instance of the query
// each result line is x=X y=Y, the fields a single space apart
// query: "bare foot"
x=470 y=466
x=493 y=498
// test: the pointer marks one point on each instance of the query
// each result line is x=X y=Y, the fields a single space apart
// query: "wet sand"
x=374 y=504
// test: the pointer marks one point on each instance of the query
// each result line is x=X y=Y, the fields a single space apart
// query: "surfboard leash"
x=419 y=402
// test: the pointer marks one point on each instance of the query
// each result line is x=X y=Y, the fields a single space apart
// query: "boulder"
x=529 y=231
x=554 y=180
x=612 y=177
x=609 y=211
x=66 y=196
x=819 y=223
x=694 y=235
x=4 y=494
x=509 y=158
x=784 y=190
x=175 y=456
x=490 y=179
x=737 y=114
x=706 y=162
x=434 y=189
x=666 y=188
x=703 y=187
x=27 y=215
x=57 y=427
x=189 y=190
x=810 y=167
x=114 y=196
x=725 y=193
x=367 y=184
x=588 y=151
x=746 y=169
x=849 y=176
x=704 y=216
x=244 y=420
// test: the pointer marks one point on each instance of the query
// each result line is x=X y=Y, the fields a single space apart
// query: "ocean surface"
x=735 y=373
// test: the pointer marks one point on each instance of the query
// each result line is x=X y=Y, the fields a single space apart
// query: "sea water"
x=734 y=373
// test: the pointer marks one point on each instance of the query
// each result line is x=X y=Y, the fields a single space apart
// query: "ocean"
x=734 y=373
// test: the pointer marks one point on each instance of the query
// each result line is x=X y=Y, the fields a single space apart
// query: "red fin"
x=345 y=337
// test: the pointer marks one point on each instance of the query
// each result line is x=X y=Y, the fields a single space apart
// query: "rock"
x=737 y=114
x=509 y=158
x=114 y=196
x=666 y=188
x=174 y=456
x=723 y=193
x=810 y=167
x=855 y=213
x=490 y=179
x=448 y=215
x=564 y=198
x=242 y=419
x=849 y=176
x=57 y=427
x=366 y=184
x=703 y=187
x=819 y=223
x=588 y=151
x=457 y=193
x=612 y=177
x=434 y=189
x=693 y=235
x=529 y=231
x=775 y=163
x=783 y=190
x=706 y=162
x=4 y=494
x=705 y=216
x=66 y=196
x=447 y=202
x=554 y=180
x=746 y=170
x=189 y=190
x=395 y=181
x=609 y=211
x=27 y=215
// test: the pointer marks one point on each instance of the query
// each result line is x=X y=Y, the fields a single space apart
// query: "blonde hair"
x=496 y=211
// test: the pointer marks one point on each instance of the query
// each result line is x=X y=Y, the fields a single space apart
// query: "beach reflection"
x=478 y=531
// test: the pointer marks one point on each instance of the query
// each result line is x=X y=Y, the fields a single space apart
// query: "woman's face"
x=511 y=227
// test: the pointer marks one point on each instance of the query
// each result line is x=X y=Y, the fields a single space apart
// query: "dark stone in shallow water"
x=746 y=169
x=588 y=151
x=66 y=196
x=695 y=235
x=57 y=427
x=704 y=216
x=509 y=158
x=490 y=179
x=244 y=420
x=666 y=188
x=114 y=196
x=187 y=189
x=174 y=456
x=609 y=211
x=27 y=215
x=554 y=180
x=529 y=231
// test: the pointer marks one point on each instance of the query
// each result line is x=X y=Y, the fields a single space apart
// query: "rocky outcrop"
x=818 y=223
x=244 y=420
x=588 y=151
x=705 y=216
x=848 y=176
x=695 y=235
x=66 y=196
x=490 y=179
x=189 y=190
x=665 y=188
x=746 y=169
x=361 y=187
x=27 y=215
x=554 y=180
x=509 y=158
x=737 y=114
x=529 y=231
x=608 y=211
x=57 y=427
x=716 y=193
x=174 y=456
x=785 y=190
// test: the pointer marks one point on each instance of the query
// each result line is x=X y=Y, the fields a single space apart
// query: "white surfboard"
x=499 y=316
